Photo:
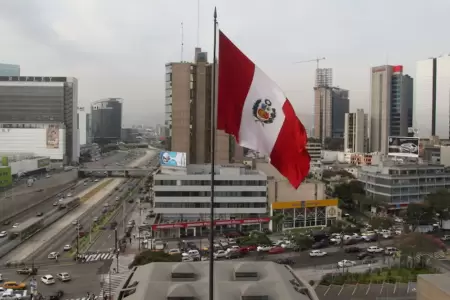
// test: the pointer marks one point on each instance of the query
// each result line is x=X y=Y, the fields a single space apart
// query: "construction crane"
x=317 y=60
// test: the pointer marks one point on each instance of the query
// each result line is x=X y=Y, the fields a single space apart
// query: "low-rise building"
x=314 y=150
x=400 y=184
x=182 y=197
x=233 y=280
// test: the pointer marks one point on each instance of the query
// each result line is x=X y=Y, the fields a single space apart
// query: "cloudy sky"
x=119 y=48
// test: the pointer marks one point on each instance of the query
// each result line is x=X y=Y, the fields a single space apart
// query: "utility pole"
x=78 y=239
x=116 y=248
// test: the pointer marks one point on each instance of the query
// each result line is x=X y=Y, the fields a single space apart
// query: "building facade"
x=356 y=132
x=314 y=150
x=82 y=125
x=183 y=195
x=131 y=135
x=106 y=118
x=9 y=70
x=432 y=98
x=44 y=110
x=391 y=105
x=330 y=106
x=188 y=113
x=400 y=184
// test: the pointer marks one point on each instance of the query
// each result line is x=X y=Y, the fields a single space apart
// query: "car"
x=69 y=194
x=352 y=249
x=53 y=255
x=56 y=296
x=7 y=222
x=39 y=214
x=374 y=249
x=16 y=225
x=243 y=250
x=95 y=219
x=64 y=276
x=48 y=279
x=187 y=259
x=14 y=285
x=233 y=248
x=220 y=254
x=3 y=234
x=264 y=248
x=364 y=255
x=27 y=271
x=390 y=251
x=317 y=253
x=346 y=263
x=285 y=261
x=67 y=247
x=1 y=277
x=174 y=251
x=56 y=203
x=276 y=250
x=48 y=175
x=85 y=184
x=233 y=254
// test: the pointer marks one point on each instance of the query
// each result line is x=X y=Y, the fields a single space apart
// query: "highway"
x=47 y=205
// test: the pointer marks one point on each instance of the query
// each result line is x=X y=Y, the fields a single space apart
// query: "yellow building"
x=309 y=213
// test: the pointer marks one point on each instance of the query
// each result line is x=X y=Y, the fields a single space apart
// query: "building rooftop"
x=205 y=169
x=440 y=281
x=232 y=281
x=14 y=157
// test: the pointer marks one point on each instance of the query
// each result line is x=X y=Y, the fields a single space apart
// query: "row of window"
x=216 y=182
x=208 y=194
x=208 y=205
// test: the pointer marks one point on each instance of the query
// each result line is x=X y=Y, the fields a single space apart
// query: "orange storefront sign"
x=303 y=204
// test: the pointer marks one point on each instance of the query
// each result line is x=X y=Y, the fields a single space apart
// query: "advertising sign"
x=53 y=137
x=172 y=159
x=304 y=204
x=43 y=163
x=5 y=177
x=403 y=146
x=206 y=223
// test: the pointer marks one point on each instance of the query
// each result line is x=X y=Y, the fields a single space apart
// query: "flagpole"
x=213 y=158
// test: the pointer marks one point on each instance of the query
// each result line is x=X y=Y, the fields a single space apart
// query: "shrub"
x=150 y=256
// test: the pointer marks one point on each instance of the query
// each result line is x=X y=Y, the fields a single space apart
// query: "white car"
x=263 y=248
x=346 y=263
x=174 y=251
x=53 y=255
x=64 y=276
x=67 y=247
x=220 y=254
x=317 y=253
x=374 y=249
x=390 y=250
x=48 y=279
x=75 y=222
x=16 y=225
x=3 y=234
x=233 y=249
x=69 y=195
x=187 y=259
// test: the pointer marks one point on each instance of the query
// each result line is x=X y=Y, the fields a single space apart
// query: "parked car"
x=364 y=255
x=233 y=254
x=317 y=253
x=264 y=248
x=374 y=249
x=285 y=261
x=276 y=250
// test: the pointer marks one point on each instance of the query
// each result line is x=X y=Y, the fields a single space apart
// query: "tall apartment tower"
x=356 y=132
x=391 y=105
x=432 y=98
x=330 y=106
x=188 y=113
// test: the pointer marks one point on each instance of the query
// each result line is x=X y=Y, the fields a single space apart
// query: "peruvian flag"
x=253 y=109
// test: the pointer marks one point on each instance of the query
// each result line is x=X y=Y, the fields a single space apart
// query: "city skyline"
x=80 y=40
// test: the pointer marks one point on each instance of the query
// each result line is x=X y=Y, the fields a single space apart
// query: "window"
x=246 y=275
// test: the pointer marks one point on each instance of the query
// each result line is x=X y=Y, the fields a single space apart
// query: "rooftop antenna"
x=182 y=41
x=198 y=23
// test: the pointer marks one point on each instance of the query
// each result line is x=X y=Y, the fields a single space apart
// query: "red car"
x=276 y=250
x=243 y=250
x=250 y=248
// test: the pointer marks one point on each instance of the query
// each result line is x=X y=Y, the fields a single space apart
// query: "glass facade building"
x=106 y=117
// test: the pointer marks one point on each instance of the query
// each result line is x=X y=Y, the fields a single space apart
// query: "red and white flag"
x=253 y=109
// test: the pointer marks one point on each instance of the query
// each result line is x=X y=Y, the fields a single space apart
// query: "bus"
x=69 y=203
x=27 y=228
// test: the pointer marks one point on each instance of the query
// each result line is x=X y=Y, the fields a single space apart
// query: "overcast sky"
x=119 y=48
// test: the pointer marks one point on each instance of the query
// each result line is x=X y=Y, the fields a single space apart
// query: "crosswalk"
x=87 y=258
x=111 y=283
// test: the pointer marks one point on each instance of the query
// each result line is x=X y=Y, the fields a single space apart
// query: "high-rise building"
x=432 y=98
x=39 y=115
x=188 y=113
x=82 y=125
x=106 y=117
x=88 y=128
x=324 y=77
x=9 y=70
x=356 y=132
x=391 y=105
x=330 y=106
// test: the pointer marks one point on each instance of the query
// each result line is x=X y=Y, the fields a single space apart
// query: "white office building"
x=356 y=132
x=182 y=197
x=432 y=98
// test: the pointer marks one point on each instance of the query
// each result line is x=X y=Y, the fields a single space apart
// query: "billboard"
x=172 y=159
x=403 y=146
x=5 y=177
x=53 y=137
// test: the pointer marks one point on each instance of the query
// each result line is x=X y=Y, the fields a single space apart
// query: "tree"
x=417 y=213
x=277 y=220
x=346 y=193
x=414 y=243
x=439 y=203
x=303 y=241
x=150 y=256
x=380 y=223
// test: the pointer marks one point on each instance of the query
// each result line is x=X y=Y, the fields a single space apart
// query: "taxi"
x=14 y=285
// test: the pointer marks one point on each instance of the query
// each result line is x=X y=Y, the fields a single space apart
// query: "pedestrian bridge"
x=115 y=172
